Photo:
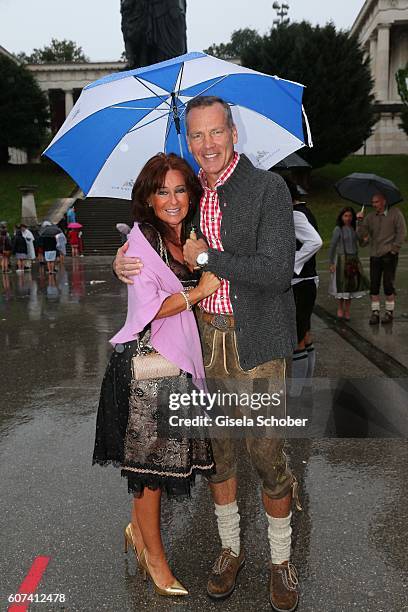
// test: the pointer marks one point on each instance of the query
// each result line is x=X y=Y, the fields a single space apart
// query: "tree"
x=402 y=82
x=337 y=97
x=23 y=109
x=58 y=52
x=240 y=40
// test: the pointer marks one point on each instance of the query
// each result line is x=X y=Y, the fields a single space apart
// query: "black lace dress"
x=129 y=431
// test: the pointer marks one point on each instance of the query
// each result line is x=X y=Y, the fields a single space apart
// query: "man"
x=247 y=326
x=385 y=230
x=304 y=284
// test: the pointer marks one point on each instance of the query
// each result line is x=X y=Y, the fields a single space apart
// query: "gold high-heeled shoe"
x=174 y=590
x=129 y=541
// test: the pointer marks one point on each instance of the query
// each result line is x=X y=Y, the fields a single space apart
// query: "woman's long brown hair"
x=152 y=178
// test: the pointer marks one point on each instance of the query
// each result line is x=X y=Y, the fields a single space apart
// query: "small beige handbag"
x=152 y=365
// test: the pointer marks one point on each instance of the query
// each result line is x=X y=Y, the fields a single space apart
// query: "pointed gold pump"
x=130 y=542
x=174 y=590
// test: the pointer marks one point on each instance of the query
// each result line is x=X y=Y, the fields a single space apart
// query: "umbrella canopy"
x=292 y=161
x=50 y=230
x=361 y=187
x=122 y=120
x=74 y=225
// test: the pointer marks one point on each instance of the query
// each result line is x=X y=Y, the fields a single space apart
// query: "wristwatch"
x=202 y=259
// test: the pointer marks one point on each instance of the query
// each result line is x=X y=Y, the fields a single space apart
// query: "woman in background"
x=347 y=280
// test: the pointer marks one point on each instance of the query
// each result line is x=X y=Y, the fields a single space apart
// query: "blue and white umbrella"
x=122 y=120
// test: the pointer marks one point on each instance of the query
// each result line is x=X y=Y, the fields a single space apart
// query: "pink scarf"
x=175 y=337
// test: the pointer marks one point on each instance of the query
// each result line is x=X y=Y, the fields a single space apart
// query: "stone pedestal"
x=28 y=208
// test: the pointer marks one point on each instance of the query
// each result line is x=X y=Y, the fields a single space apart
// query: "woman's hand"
x=125 y=267
x=208 y=284
x=332 y=267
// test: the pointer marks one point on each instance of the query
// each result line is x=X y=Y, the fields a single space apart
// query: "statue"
x=153 y=30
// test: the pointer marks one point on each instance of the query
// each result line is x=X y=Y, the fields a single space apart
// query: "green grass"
x=51 y=181
x=326 y=203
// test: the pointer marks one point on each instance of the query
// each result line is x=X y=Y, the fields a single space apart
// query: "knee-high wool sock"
x=228 y=526
x=280 y=537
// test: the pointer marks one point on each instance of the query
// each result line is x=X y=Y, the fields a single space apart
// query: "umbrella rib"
x=145 y=124
x=152 y=91
x=140 y=108
x=200 y=93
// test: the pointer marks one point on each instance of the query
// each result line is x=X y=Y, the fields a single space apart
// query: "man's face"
x=378 y=202
x=211 y=140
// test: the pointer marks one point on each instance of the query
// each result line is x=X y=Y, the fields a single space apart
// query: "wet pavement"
x=350 y=541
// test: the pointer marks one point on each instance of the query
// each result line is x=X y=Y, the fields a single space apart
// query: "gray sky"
x=95 y=24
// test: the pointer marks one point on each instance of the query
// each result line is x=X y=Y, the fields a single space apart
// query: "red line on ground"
x=30 y=582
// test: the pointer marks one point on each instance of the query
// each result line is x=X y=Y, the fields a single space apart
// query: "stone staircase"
x=99 y=217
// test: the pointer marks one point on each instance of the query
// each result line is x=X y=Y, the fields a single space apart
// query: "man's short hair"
x=203 y=101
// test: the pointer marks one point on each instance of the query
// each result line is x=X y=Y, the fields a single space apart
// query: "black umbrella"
x=360 y=188
x=292 y=161
x=50 y=230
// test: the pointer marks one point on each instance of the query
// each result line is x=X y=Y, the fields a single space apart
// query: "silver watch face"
x=202 y=259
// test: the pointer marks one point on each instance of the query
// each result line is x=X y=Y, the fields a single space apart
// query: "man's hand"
x=192 y=249
x=360 y=216
x=126 y=266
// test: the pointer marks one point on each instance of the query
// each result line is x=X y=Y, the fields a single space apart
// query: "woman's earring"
x=149 y=204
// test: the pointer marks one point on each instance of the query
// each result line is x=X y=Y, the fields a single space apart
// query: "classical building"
x=382 y=29
x=63 y=84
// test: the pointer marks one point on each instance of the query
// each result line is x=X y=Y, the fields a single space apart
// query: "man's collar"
x=223 y=177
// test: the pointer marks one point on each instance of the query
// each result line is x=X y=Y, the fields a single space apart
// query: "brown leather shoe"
x=375 y=318
x=283 y=592
x=224 y=573
x=387 y=317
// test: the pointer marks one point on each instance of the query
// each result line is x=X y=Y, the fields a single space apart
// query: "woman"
x=19 y=247
x=73 y=237
x=5 y=249
x=347 y=277
x=159 y=302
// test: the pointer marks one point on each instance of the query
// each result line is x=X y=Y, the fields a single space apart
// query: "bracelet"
x=189 y=305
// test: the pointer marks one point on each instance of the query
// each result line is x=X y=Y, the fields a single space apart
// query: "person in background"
x=71 y=215
x=123 y=230
x=304 y=284
x=19 y=248
x=5 y=249
x=61 y=243
x=50 y=252
x=73 y=238
x=29 y=238
x=385 y=230
x=347 y=279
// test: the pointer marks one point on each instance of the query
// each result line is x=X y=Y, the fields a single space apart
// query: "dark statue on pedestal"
x=153 y=30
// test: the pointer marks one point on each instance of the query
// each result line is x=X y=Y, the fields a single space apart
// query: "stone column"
x=28 y=208
x=373 y=55
x=382 y=64
x=69 y=101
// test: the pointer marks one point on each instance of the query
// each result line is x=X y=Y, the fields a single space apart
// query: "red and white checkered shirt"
x=210 y=222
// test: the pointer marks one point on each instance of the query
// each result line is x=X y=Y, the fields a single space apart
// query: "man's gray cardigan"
x=259 y=243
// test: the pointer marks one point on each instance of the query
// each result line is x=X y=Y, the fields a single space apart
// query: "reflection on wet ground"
x=350 y=542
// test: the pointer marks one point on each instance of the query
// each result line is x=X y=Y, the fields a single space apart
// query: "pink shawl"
x=175 y=337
